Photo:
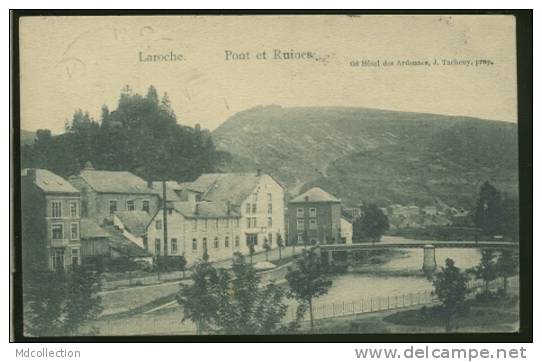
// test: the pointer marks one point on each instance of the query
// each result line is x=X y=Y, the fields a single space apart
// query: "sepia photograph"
x=268 y=175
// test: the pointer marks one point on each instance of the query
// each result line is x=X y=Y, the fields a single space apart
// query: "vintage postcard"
x=187 y=175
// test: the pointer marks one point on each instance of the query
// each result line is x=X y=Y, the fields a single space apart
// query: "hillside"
x=372 y=155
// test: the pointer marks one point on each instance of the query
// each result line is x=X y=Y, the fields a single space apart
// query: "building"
x=193 y=227
x=50 y=208
x=109 y=241
x=257 y=197
x=105 y=192
x=314 y=216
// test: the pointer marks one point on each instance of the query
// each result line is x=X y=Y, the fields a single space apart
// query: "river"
x=356 y=286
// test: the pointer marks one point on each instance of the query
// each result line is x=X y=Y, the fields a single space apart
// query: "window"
x=248 y=208
x=204 y=243
x=248 y=222
x=173 y=246
x=58 y=259
x=74 y=231
x=227 y=242
x=158 y=224
x=216 y=243
x=252 y=239
x=57 y=231
x=75 y=256
x=270 y=239
x=73 y=208
x=299 y=212
x=269 y=198
x=216 y=224
x=237 y=241
x=312 y=224
x=194 y=244
x=130 y=205
x=269 y=208
x=300 y=224
x=157 y=246
x=170 y=211
x=112 y=206
x=146 y=205
x=299 y=238
x=254 y=222
x=312 y=212
x=56 y=209
x=253 y=208
x=269 y=222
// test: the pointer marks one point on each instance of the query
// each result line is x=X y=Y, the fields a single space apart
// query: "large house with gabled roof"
x=103 y=193
x=257 y=197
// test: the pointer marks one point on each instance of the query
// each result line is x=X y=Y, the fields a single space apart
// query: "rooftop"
x=221 y=187
x=115 y=182
x=171 y=188
x=122 y=245
x=205 y=210
x=135 y=222
x=48 y=181
x=91 y=230
x=315 y=194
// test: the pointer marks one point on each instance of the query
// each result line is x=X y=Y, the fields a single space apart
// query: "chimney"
x=149 y=184
x=259 y=172
x=306 y=198
x=31 y=174
x=228 y=207
x=196 y=208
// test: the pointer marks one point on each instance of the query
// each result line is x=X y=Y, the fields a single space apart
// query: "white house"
x=192 y=228
x=257 y=197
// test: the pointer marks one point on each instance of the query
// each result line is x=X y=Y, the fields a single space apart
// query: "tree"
x=58 y=303
x=280 y=244
x=267 y=247
x=182 y=264
x=510 y=217
x=201 y=298
x=371 y=225
x=82 y=300
x=251 y=250
x=486 y=269
x=488 y=212
x=451 y=288
x=507 y=265
x=307 y=280
x=247 y=306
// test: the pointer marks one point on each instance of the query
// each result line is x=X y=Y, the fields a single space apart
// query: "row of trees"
x=237 y=302
x=450 y=284
x=142 y=136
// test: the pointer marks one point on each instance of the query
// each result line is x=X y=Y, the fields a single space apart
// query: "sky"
x=69 y=63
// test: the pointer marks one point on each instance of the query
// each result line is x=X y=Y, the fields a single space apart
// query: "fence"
x=369 y=305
